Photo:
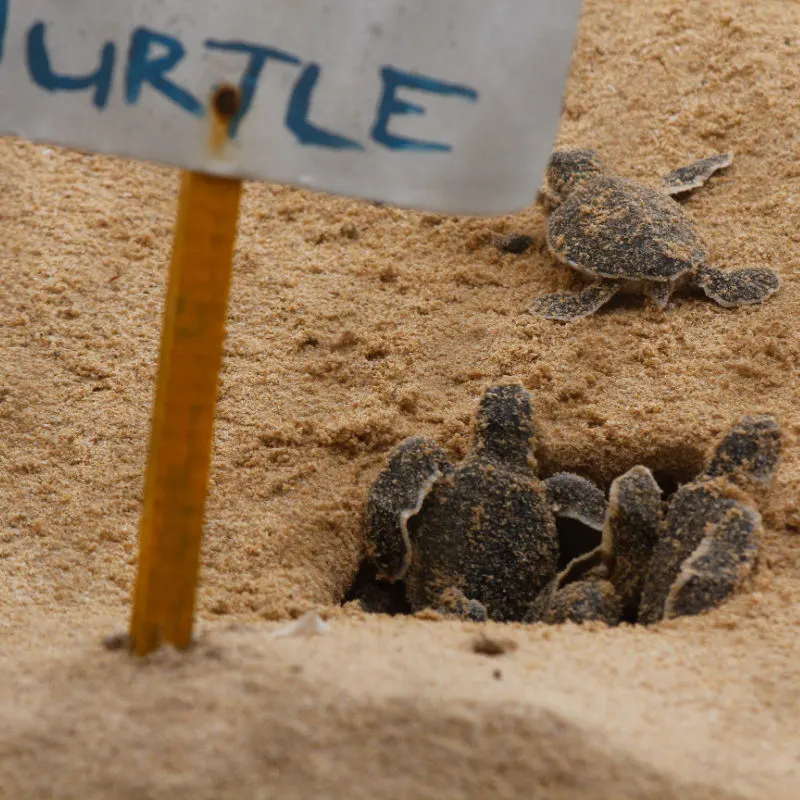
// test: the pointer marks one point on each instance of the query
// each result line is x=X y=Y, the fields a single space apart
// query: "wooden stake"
x=176 y=481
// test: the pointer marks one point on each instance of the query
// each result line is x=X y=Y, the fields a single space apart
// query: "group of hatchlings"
x=480 y=541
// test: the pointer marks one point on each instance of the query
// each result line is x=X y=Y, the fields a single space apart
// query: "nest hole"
x=672 y=464
x=669 y=480
x=574 y=540
x=377 y=596
x=671 y=468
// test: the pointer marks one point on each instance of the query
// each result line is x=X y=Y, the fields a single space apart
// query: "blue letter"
x=142 y=69
x=297 y=115
x=390 y=104
x=43 y=75
x=3 y=23
x=247 y=87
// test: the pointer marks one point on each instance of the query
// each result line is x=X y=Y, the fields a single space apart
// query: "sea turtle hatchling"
x=478 y=539
x=627 y=236
x=651 y=566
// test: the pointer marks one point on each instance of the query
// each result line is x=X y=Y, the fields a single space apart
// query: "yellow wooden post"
x=176 y=481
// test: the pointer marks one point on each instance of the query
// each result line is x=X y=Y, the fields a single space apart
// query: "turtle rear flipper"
x=737 y=287
x=719 y=565
x=692 y=176
x=396 y=496
x=569 y=306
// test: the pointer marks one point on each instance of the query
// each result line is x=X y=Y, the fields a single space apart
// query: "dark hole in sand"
x=376 y=596
x=574 y=539
x=669 y=480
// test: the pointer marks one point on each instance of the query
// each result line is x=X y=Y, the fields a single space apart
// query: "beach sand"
x=352 y=326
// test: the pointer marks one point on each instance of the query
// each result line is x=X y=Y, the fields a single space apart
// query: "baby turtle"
x=710 y=538
x=477 y=540
x=685 y=562
x=627 y=236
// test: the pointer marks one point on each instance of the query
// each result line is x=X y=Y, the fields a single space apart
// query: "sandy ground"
x=351 y=327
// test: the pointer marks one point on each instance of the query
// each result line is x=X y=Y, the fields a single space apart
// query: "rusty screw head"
x=225 y=102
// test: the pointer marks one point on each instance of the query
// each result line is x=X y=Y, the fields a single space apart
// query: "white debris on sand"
x=310 y=624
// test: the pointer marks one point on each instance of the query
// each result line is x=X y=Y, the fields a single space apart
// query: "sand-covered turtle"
x=650 y=565
x=626 y=236
x=478 y=539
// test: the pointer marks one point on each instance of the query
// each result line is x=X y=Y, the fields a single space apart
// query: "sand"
x=351 y=327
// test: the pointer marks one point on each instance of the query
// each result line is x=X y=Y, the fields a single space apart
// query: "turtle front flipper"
x=719 y=565
x=749 y=451
x=737 y=287
x=396 y=496
x=573 y=497
x=569 y=306
x=688 y=178
x=710 y=535
x=698 y=514
x=631 y=532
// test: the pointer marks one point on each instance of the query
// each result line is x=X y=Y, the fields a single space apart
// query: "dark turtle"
x=477 y=540
x=689 y=560
x=710 y=539
x=627 y=236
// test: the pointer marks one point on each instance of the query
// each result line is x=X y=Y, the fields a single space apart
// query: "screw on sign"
x=451 y=107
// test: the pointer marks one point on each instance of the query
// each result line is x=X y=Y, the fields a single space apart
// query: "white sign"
x=448 y=105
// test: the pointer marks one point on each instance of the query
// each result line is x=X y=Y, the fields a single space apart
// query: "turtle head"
x=749 y=451
x=567 y=169
x=506 y=426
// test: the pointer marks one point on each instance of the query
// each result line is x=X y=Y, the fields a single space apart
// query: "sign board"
x=448 y=105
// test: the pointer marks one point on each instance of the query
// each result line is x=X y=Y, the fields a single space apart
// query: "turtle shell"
x=487 y=530
x=614 y=228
